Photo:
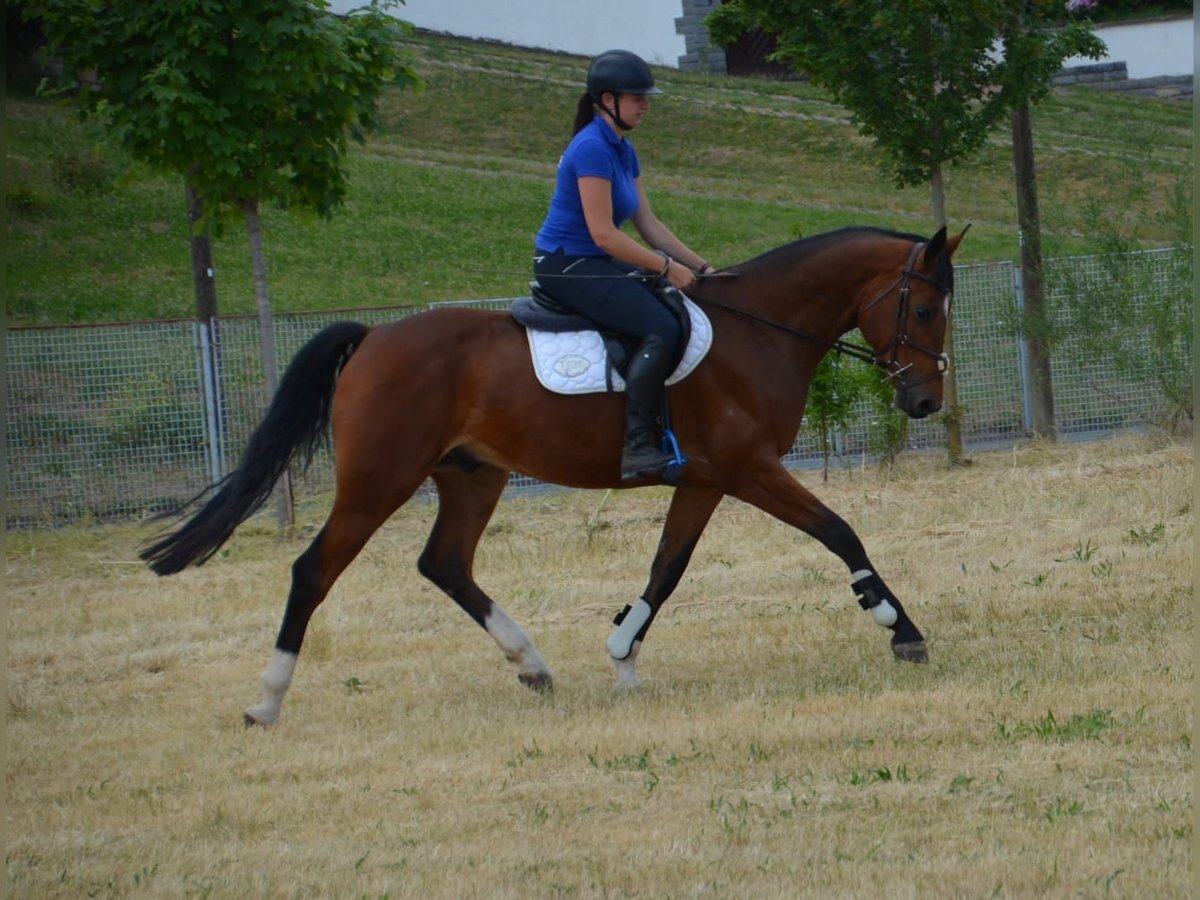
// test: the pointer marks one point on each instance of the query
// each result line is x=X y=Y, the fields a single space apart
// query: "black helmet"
x=621 y=72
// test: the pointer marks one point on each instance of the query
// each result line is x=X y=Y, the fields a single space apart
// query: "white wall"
x=1148 y=49
x=588 y=27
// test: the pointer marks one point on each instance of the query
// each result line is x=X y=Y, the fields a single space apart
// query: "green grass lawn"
x=445 y=199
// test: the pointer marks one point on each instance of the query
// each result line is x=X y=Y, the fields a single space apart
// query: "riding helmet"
x=621 y=72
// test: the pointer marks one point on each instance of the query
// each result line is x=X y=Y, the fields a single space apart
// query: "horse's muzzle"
x=917 y=404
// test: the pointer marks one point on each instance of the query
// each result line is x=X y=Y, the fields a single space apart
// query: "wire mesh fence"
x=114 y=421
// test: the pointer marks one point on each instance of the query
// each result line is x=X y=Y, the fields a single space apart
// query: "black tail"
x=294 y=426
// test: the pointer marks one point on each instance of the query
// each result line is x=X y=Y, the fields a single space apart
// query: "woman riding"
x=598 y=188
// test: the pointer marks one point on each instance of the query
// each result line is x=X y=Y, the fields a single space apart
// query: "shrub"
x=842 y=389
x=25 y=200
x=83 y=172
x=1134 y=309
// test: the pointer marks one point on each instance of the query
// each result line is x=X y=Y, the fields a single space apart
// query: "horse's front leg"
x=691 y=508
x=776 y=492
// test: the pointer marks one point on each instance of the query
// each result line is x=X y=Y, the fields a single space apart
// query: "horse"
x=450 y=395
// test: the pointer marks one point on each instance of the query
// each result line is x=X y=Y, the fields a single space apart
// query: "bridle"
x=901 y=339
x=893 y=370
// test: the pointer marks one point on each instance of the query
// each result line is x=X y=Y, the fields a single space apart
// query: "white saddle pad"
x=576 y=362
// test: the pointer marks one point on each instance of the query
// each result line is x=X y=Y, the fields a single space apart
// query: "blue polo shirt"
x=596 y=151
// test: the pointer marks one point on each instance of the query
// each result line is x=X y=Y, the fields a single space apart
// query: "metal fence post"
x=212 y=419
x=1018 y=284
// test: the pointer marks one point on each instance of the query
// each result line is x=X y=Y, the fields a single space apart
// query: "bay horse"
x=451 y=395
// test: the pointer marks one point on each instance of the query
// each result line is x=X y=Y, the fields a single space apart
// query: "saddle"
x=572 y=355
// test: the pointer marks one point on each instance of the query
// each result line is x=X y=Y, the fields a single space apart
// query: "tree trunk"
x=952 y=411
x=1035 y=318
x=203 y=273
x=283 y=490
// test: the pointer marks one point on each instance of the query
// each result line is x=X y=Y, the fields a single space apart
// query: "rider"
x=598 y=188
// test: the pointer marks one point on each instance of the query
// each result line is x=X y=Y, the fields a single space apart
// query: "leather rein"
x=891 y=365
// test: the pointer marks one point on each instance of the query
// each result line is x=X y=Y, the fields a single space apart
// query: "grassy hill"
x=445 y=199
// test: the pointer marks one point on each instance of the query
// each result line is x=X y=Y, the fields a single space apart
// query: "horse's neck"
x=817 y=296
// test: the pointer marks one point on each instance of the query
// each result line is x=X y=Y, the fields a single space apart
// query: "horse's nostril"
x=924 y=407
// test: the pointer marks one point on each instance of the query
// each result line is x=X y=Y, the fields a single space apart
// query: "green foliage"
x=250 y=100
x=1144 y=536
x=1079 y=727
x=1133 y=310
x=889 y=426
x=960 y=783
x=85 y=172
x=1062 y=808
x=841 y=389
x=920 y=76
x=440 y=208
x=1083 y=552
x=882 y=774
x=24 y=200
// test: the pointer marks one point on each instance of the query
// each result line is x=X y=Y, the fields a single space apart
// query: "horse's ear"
x=952 y=244
x=935 y=247
x=939 y=244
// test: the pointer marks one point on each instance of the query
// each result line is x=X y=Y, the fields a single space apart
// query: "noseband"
x=891 y=365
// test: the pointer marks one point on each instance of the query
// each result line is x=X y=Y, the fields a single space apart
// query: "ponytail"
x=584 y=112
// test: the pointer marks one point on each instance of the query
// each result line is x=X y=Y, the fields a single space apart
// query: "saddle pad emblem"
x=576 y=362
x=571 y=366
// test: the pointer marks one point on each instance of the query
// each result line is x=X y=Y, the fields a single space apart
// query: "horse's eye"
x=925 y=313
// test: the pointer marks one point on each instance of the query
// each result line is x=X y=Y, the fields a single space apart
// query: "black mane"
x=802 y=248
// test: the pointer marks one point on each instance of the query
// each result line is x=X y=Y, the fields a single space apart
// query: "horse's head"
x=905 y=324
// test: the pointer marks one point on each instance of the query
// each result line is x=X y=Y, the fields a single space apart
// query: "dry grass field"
x=776 y=750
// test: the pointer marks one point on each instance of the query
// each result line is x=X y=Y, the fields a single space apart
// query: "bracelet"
x=705 y=268
x=666 y=265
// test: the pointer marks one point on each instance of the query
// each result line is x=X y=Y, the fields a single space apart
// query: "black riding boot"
x=643 y=392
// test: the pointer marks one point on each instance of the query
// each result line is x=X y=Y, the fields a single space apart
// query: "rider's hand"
x=681 y=276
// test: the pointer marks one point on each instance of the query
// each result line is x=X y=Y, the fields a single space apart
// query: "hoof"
x=913 y=652
x=542 y=682
x=256 y=716
x=629 y=684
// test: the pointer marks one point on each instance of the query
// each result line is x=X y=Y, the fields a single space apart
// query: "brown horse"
x=451 y=395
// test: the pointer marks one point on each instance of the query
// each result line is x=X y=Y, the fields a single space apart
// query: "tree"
x=250 y=101
x=922 y=78
x=1034 y=313
x=1130 y=308
x=838 y=391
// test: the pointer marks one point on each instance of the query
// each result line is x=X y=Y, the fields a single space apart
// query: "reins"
x=891 y=366
x=845 y=348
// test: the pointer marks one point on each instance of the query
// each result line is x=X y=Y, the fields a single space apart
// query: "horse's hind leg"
x=468 y=492
x=346 y=531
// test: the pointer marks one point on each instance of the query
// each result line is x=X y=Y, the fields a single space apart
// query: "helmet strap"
x=615 y=112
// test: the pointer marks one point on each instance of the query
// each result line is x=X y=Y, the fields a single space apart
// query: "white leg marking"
x=627 y=678
x=514 y=642
x=275 y=681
